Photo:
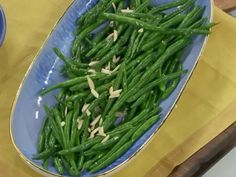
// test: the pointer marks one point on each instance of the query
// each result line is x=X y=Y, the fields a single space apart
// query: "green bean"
x=113 y=154
x=93 y=14
x=116 y=86
x=142 y=129
x=136 y=61
x=192 y=16
x=102 y=34
x=82 y=35
x=173 y=21
x=43 y=155
x=73 y=134
x=68 y=127
x=116 y=49
x=143 y=16
x=100 y=89
x=72 y=170
x=66 y=60
x=151 y=27
x=58 y=121
x=54 y=128
x=96 y=48
x=52 y=141
x=198 y=23
x=42 y=136
x=107 y=144
x=71 y=82
x=110 y=43
x=88 y=144
x=79 y=87
x=170 y=51
x=85 y=127
x=112 y=158
x=90 y=153
x=87 y=164
x=45 y=163
x=142 y=40
x=81 y=162
x=143 y=6
x=135 y=44
x=167 y=6
x=135 y=80
x=58 y=165
x=172 y=86
x=139 y=101
x=131 y=114
x=79 y=96
x=146 y=61
x=181 y=9
x=159 y=37
x=153 y=84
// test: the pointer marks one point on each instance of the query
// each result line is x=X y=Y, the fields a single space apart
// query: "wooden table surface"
x=226 y=5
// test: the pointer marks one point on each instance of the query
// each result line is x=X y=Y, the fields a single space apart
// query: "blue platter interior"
x=2 y=25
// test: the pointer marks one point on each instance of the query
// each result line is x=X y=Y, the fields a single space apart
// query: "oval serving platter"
x=2 y=25
x=27 y=113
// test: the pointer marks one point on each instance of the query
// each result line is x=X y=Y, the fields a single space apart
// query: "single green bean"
x=58 y=165
x=167 y=6
x=143 y=128
x=81 y=162
x=45 y=163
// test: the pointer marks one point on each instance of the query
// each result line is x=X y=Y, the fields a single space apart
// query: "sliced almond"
x=126 y=11
x=114 y=96
x=80 y=124
x=105 y=71
x=95 y=93
x=95 y=121
x=115 y=59
x=92 y=134
x=85 y=107
x=111 y=90
x=110 y=36
x=92 y=71
x=116 y=69
x=63 y=124
x=92 y=128
x=88 y=112
x=106 y=138
x=90 y=83
x=111 y=24
x=115 y=35
x=117 y=92
x=100 y=122
x=89 y=130
x=141 y=30
x=114 y=6
x=66 y=110
x=92 y=63
x=108 y=67
x=101 y=131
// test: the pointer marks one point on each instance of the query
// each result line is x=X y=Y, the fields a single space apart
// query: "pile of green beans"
x=116 y=81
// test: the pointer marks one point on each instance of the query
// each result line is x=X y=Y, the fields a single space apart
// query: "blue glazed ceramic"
x=2 y=26
x=27 y=112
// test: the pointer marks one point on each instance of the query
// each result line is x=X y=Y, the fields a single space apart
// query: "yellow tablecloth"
x=204 y=110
